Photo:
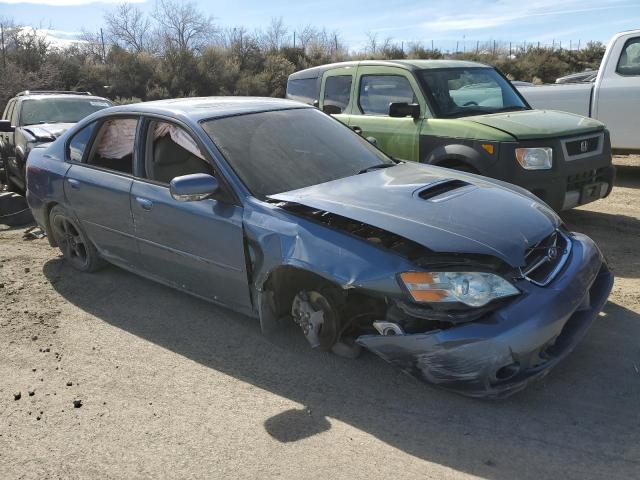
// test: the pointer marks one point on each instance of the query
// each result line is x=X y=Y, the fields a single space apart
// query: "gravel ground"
x=166 y=385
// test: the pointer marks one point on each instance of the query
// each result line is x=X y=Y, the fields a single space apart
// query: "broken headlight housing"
x=474 y=289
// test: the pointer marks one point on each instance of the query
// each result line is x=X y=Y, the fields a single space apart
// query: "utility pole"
x=4 y=57
x=477 y=46
x=104 y=51
x=432 y=45
x=294 y=39
x=457 y=43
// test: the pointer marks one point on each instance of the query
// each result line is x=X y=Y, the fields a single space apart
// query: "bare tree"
x=182 y=26
x=275 y=35
x=128 y=27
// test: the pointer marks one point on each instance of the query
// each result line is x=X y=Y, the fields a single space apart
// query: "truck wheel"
x=76 y=247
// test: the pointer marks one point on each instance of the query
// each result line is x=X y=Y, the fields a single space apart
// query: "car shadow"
x=582 y=416
x=617 y=235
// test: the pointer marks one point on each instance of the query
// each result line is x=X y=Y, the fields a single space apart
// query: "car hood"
x=47 y=132
x=532 y=124
x=443 y=210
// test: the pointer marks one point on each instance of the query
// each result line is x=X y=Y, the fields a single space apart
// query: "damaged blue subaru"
x=274 y=209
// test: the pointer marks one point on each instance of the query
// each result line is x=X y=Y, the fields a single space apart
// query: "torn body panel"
x=501 y=353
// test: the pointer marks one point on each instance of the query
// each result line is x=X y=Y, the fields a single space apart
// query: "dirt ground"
x=172 y=386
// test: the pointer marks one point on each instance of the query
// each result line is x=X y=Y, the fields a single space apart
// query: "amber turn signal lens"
x=487 y=147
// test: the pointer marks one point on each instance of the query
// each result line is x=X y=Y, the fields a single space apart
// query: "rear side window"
x=79 y=141
x=303 y=90
x=114 y=144
x=337 y=91
x=378 y=91
x=629 y=62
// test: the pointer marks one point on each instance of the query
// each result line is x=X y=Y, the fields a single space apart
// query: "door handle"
x=144 y=203
x=356 y=129
x=74 y=183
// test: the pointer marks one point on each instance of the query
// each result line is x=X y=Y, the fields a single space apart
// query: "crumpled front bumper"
x=514 y=345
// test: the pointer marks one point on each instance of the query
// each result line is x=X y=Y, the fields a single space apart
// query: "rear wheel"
x=73 y=242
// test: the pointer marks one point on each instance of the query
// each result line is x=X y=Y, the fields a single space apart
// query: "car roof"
x=412 y=65
x=42 y=96
x=201 y=108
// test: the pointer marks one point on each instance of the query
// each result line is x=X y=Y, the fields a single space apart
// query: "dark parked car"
x=35 y=118
x=275 y=209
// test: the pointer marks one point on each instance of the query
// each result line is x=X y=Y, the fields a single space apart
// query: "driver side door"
x=196 y=246
x=376 y=88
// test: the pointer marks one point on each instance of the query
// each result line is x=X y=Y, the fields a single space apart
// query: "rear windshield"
x=59 y=110
x=456 y=92
x=274 y=152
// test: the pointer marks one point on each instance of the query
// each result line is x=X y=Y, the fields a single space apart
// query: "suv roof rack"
x=50 y=92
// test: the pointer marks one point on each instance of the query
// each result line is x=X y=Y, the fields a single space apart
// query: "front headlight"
x=474 y=289
x=535 y=158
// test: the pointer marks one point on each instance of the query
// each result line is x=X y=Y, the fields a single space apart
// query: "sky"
x=448 y=24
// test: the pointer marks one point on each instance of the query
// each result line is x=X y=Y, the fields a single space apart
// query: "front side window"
x=378 y=91
x=337 y=91
x=78 y=143
x=114 y=144
x=629 y=62
x=171 y=152
x=279 y=151
x=59 y=110
x=456 y=92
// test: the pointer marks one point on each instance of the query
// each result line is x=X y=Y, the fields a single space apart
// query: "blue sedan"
x=274 y=209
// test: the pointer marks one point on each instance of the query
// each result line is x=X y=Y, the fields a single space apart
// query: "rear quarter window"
x=303 y=90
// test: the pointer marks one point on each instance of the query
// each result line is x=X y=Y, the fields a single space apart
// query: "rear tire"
x=74 y=244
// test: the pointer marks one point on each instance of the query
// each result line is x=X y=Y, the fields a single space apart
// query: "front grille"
x=578 y=180
x=580 y=147
x=583 y=147
x=544 y=260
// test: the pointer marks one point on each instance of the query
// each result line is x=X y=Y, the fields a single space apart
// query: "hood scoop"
x=437 y=191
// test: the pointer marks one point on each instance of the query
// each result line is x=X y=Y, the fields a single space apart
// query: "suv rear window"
x=337 y=91
x=302 y=89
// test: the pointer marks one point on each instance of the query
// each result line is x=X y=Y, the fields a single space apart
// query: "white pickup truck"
x=614 y=97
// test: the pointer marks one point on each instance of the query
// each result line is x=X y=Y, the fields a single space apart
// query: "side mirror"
x=331 y=109
x=5 y=126
x=403 y=109
x=316 y=103
x=190 y=188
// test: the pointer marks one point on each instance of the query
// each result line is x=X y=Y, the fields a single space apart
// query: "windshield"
x=59 y=110
x=274 y=152
x=456 y=92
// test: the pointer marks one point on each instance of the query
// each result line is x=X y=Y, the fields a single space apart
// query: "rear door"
x=336 y=92
x=98 y=184
x=196 y=246
x=618 y=93
x=376 y=87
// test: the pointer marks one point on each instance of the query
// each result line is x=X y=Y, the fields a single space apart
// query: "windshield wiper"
x=376 y=167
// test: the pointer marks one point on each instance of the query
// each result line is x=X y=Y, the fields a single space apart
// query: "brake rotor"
x=317 y=319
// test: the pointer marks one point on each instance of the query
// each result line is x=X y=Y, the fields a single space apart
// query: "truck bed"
x=573 y=97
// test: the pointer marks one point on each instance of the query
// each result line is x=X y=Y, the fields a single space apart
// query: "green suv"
x=467 y=116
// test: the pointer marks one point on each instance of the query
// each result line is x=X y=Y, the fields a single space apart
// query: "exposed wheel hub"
x=313 y=313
